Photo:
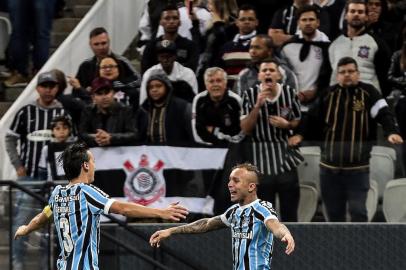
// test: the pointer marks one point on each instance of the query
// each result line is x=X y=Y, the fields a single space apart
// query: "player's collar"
x=249 y=205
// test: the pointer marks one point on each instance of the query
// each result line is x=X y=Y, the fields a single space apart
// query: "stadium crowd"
x=260 y=78
x=250 y=76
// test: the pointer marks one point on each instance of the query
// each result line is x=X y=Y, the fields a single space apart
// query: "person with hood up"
x=163 y=118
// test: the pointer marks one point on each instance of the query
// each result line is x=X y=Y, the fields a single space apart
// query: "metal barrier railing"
x=19 y=186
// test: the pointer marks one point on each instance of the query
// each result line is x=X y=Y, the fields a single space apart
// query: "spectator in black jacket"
x=216 y=111
x=164 y=118
x=216 y=121
x=100 y=44
x=126 y=85
x=106 y=122
x=344 y=120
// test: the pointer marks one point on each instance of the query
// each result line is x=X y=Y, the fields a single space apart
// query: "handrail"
x=134 y=251
x=131 y=230
x=14 y=184
x=26 y=190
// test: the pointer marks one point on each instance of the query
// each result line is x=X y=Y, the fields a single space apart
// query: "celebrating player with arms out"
x=77 y=207
x=253 y=223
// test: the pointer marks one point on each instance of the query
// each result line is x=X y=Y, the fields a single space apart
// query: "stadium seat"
x=372 y=199
x=382 y=166
x=394 y=201
x=5 y=31
x=309 y=170
x=308 y=202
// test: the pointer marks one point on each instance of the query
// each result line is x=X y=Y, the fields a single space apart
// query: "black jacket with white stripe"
x=344 y=120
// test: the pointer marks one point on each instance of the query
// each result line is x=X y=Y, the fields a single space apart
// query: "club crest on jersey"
x=358 y=105
x=145 y=184
x=363 y=52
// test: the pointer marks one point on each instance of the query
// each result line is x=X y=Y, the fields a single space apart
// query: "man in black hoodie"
x=163 y=118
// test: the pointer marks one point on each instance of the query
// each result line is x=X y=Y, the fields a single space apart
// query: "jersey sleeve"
x=97 y=198
x=266 y=211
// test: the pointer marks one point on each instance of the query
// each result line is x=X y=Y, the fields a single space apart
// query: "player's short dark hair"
x=97 y=31
x=362 y=2
x=250 y=168
x=308 y=8
x=72 y=159
x=347 y=60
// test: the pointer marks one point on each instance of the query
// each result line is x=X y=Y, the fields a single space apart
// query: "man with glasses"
x=370 y=52
x=344 y=120
x=99 y=42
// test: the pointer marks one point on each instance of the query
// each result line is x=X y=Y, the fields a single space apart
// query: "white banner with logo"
x=144 y=166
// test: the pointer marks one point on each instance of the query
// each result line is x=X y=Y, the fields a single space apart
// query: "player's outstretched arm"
x=173 y=212
x=281 y=231
x=199 y=226
x=38 y=222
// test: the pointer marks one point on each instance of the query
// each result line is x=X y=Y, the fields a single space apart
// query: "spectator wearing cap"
x=62 y=131
x=187 y=52
x=106 y=122
x=183 y=78
x=31 y=130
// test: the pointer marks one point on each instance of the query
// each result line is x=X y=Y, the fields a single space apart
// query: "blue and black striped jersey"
x=77 y=211
x=252 y=242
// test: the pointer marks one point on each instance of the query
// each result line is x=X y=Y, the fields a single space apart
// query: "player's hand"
x=157 y=237
x=174 y=212
x=290 y=247
x=21 y=231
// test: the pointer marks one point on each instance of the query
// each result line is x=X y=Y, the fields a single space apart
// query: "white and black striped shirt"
x=270 y=151
x=32 y=126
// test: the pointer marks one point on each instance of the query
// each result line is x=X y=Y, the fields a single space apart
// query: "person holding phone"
x=271 y=111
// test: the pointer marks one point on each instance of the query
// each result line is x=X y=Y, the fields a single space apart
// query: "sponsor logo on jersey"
x=40 y=135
